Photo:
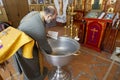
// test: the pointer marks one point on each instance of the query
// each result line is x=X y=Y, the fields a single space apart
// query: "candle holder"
x=70 y=14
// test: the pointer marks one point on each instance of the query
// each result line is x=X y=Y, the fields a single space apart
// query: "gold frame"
x=41 y=1
x=48 y=2
x=33 y=1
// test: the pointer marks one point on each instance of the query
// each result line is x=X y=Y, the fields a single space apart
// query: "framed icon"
x=40 y=1
x=33 y=1
x=46 y=1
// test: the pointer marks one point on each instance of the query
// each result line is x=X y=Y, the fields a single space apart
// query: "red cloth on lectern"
x=94 y=32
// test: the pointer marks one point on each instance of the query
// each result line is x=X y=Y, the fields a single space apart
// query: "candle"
x=71 y=31
x=72 y=8
x=65 y=27
x=75 y=3
x=77 y=32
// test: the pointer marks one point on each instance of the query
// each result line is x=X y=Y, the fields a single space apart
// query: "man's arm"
x=34 y=27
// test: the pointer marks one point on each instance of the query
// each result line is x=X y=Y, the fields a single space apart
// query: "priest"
x=33 y=24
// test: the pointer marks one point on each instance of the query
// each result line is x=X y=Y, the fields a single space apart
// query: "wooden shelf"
x=38 y=7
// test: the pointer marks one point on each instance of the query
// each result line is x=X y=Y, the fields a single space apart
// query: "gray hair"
x=49 y=10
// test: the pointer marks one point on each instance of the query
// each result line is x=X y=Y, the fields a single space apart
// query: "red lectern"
x=94 y=32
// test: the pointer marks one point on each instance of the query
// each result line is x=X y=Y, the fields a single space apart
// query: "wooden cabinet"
x=16 y=10
x=110 y=35
x=109 y=40
x=100 y=30
x=36 y=7
x=117 y=41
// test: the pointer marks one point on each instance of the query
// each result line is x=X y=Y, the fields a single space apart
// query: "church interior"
x=94 y=24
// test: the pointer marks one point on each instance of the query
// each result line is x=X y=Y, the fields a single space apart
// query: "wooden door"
x=15 y=10
x=109 y=41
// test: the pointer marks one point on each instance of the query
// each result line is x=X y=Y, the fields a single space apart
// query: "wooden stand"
x=94 y=33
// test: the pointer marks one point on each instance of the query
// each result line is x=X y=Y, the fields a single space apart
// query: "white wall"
x=29 y=2
x=1 y=4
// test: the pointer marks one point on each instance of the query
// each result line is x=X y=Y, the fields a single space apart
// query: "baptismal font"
x=71 y=30
x=64 y=48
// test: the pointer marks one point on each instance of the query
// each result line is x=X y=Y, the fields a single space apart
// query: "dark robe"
x=33 y=26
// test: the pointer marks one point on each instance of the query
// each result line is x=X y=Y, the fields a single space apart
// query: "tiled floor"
x=88 y=65
x=92 y=65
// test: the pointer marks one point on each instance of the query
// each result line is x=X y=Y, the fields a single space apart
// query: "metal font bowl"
x=63 y=50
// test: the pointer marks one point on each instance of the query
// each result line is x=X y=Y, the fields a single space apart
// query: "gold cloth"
x=13 y=39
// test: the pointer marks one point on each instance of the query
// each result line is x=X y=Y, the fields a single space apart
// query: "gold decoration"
x=65 y=28
x=71 y=31
x=76 y=34
x=76 y=31
x=61 y=6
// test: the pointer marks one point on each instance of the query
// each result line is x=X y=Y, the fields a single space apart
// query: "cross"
x=93 y=30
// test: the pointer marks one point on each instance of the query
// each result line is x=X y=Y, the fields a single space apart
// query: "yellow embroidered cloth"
x=11 y=40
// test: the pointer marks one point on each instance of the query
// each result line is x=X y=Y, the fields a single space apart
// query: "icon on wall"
x=40 y=1
x=33 y=1
x=112 y=1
